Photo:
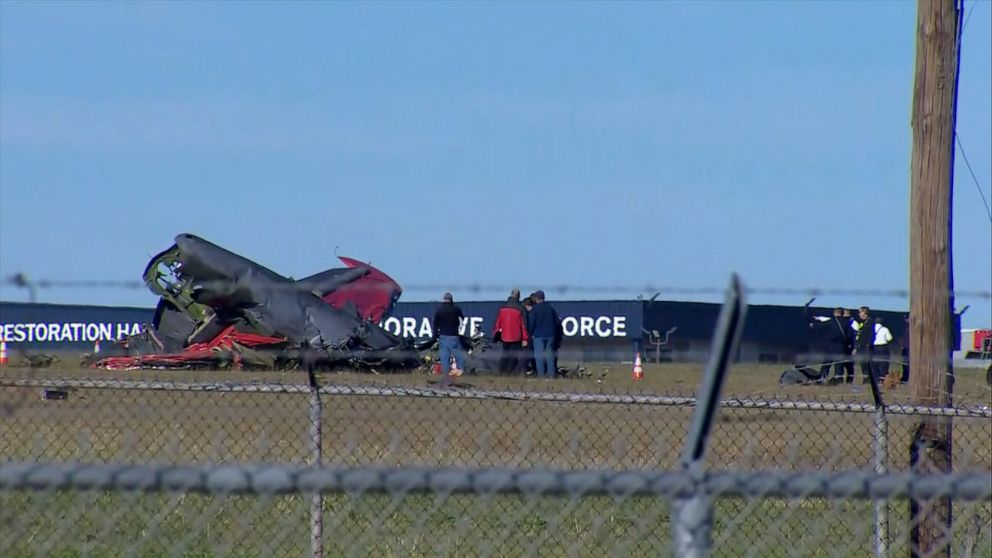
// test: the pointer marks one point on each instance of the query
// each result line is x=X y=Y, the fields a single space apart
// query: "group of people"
x=529 y=330
x=850 y=340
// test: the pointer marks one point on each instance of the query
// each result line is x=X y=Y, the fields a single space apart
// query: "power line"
x=973 y=177
x=956 y=136
x=968 y=17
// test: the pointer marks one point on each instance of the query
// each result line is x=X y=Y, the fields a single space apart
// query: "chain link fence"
x=117 y=467
x=237 y=510
x=133 y=422
x=424 y=433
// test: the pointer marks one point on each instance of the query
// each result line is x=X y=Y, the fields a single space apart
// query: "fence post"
x=316 y=459
x=692 y=516
x=881 y=460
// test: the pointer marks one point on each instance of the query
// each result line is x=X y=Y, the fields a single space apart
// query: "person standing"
x=864 y=342
x=527 y=364
x=849 y=323
x=880 y=353
x=542 y=323
x=511 y=327
x=837 y=342
x=447 y=319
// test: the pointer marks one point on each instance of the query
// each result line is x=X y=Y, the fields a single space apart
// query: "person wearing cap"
x=447 y=319
x=511 y=330
x=542 y=323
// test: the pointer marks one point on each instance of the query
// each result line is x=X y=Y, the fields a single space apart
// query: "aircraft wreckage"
x=219 y=309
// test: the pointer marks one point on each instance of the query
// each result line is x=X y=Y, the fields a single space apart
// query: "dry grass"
x=141 y=426
x=135 y=425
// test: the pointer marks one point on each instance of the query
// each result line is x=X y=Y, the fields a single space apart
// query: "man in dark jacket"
x=848 y=318
x=837 y=337
x=511 y=330
x=447 y=319
x=864 y=342
x=542 y=324
x=527 y=364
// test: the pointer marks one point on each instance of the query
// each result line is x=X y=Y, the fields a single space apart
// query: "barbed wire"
x=649 y=289
x=515 y=395
x=283 y=479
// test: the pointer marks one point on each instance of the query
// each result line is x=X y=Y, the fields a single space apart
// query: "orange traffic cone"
x=638 y=370
x=3 y=352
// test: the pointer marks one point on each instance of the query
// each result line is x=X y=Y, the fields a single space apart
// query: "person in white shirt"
x=880 y=351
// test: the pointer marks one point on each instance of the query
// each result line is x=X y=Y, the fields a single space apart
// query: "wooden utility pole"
x=931 y=315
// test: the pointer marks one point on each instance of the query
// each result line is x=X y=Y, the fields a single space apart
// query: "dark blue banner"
x=593 y=325
x=62 y=326
x=581 y=320
x=594 y=330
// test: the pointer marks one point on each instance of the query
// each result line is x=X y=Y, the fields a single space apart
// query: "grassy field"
x=192 y=525
x=122 y=425
x=743 y=380
x=178 y=427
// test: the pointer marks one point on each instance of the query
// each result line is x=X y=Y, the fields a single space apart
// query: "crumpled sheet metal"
x=212 y=298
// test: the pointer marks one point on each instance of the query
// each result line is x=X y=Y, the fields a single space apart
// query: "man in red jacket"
x=511 y=331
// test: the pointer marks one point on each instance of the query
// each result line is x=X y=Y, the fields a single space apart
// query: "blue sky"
x=502 y=143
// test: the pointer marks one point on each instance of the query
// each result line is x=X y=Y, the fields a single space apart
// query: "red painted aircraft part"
x=226 y=341
x=373 y=295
